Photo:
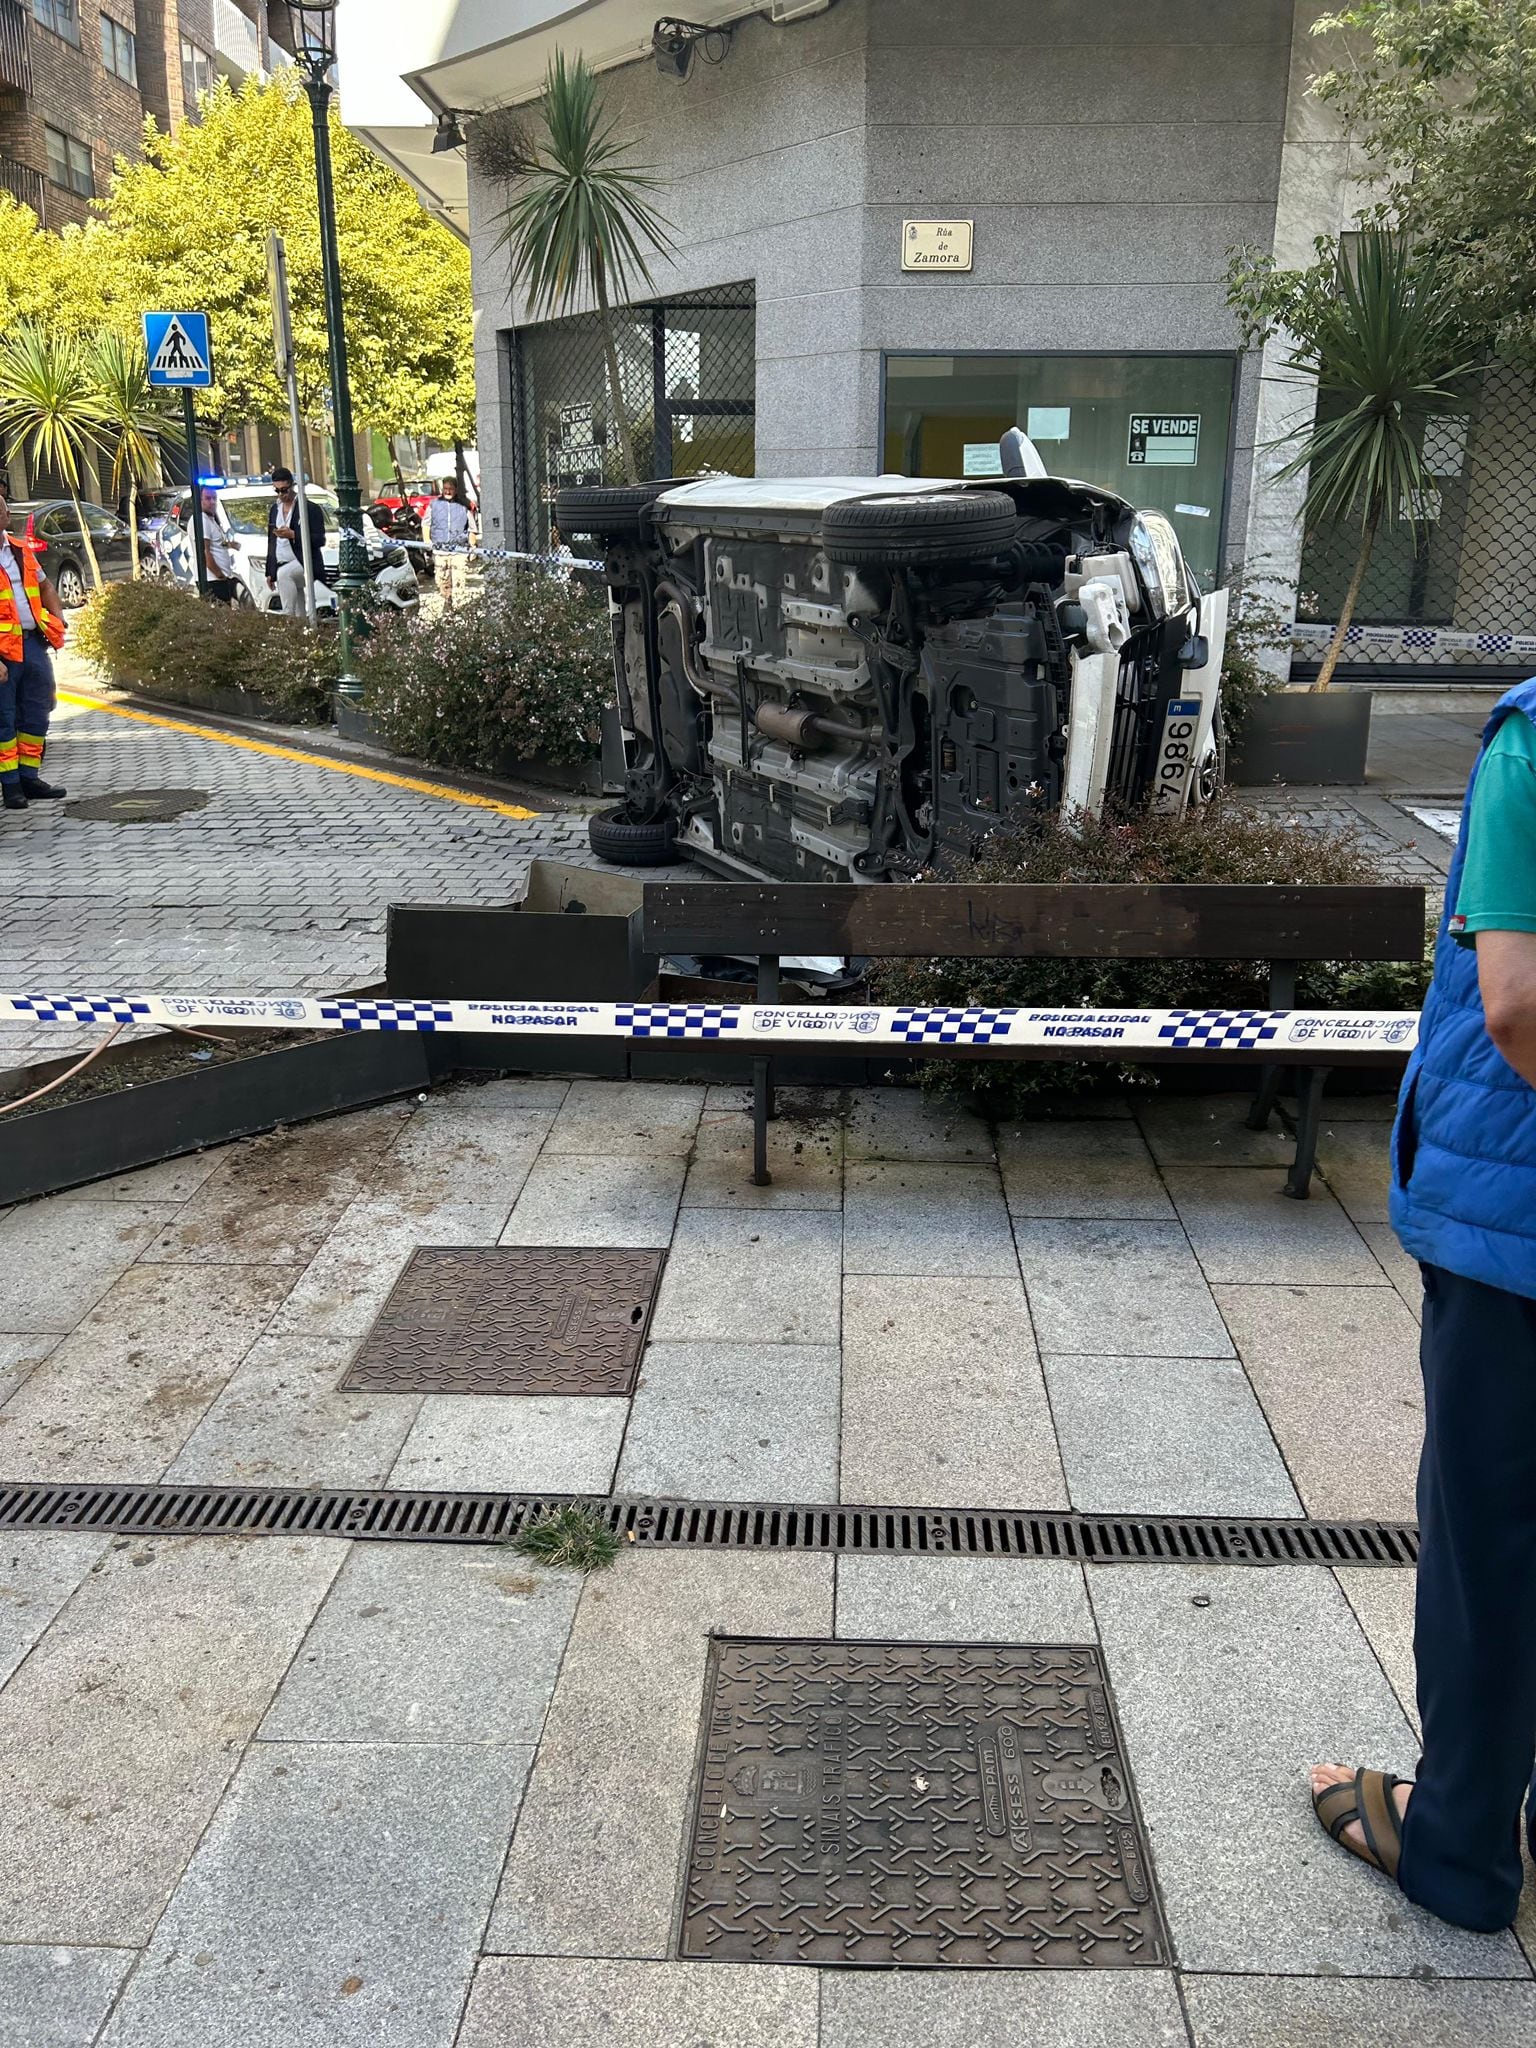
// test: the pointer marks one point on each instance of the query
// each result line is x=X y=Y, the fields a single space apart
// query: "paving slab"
x=18 y=1356
x=627 y=1119
x=1165 y=1436
x=560 y=2003
x=1224 y=1709
x=805 y=1160
x=1359 y=1109
x=1003 y=2009
x=734 y=1422
x=1210 y=1130
x=147 y=1684
x=1093 y=1167
x=925 y=1218
x=1119 y=1289
x=274 y=1198
x=463 y=1152
x=571 y=1200
x=1399 y=1266
x=1383 y=1606
x=765 y=1279
x=1281 y=2012
x=962 y=1600
x=594 y=1866
x=944 y=1404
x=1244 y=1226
x=281 y=1421
x=60 y=1257
x=1337 y=1371
x=336 y=1901
x=58 y=1997
x=38 y=1572
x=343 y=1288
x=1356 y=1162
x=168 y=1180
x=906 y=1124
x=119 y=1398
x=422 y=1642
x=512 y=1443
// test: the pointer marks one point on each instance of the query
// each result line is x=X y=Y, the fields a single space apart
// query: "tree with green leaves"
x=1441 y=95
x=138 y=418
x=580 y=224
x=51 y=408
x=1381 y=329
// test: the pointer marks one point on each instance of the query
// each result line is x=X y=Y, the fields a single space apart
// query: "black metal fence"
x=1468 y=565
x=670 y=391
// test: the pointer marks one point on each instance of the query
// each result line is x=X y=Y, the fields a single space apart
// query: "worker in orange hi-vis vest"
x=31 y=622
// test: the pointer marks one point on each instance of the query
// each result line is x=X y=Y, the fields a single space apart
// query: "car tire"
x=901 y=533
x=610 y=512
x=616 y=838
x=245 y=600
x=70 y=585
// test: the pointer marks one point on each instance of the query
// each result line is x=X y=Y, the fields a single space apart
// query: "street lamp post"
x=314 y=24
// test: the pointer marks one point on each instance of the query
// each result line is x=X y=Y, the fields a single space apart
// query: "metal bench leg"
x=1309 y=1113
x=1263 y=1104
x=762 y=1111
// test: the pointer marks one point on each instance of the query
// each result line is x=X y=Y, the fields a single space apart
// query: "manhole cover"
x=139 y=806
x=512 y=1320
x=930 y=1805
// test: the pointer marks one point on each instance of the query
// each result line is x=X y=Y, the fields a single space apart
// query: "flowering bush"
x=168 y=643
x=525 y=670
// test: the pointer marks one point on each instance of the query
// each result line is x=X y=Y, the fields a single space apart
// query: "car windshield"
x=247 y=512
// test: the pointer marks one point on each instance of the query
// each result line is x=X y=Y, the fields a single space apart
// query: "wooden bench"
x=1102 y=921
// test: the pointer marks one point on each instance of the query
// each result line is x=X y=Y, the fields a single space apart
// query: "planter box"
x=584 y=777
x=221 y=702
x=114 y=1132
x=1297 y=736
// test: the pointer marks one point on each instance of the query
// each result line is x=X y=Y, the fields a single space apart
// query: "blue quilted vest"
x=1464 y=1145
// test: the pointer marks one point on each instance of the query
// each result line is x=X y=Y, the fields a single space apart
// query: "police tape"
x=1127 y=1031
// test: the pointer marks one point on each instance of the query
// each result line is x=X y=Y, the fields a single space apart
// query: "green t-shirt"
x=1498 y=877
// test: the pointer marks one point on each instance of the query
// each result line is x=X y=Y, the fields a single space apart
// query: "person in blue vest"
x=1464 y=1205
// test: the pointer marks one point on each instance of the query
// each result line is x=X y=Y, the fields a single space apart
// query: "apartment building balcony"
x=15 y=50
x=25 y=184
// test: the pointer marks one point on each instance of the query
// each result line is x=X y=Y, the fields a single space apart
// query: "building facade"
x=899 y=229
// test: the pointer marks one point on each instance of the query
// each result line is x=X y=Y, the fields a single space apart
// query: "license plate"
x=1176 y=755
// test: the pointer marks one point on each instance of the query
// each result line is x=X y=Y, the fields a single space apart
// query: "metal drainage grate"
x=707 y=1525
x=138 y=806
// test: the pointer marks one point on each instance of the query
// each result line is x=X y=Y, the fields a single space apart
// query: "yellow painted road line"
x=234 y=739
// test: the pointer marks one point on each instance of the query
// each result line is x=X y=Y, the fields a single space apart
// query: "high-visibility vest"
x=10 y=617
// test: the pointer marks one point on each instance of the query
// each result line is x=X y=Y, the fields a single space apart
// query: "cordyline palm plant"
x=1389 y=351
x=580 y=219
x=137 y=418
x=51 y=409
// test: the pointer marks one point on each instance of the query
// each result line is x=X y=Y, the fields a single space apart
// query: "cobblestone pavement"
x=295 y=1793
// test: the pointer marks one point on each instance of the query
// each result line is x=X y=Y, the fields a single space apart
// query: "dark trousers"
x=26 y=704
x=1475 y=1630
x=222 y=589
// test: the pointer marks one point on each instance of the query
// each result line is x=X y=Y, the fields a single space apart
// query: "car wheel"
x=70 y=585
x=244 y=602
x=899 y=533
x=1212 y=771
x=607 y=511
x=616 y=838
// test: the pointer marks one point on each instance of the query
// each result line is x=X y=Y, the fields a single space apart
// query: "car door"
x=110 y=538
x=63 y=554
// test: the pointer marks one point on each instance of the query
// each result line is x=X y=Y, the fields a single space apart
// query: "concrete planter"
x=221 y=702
x=1297 y=736
x=581 y=778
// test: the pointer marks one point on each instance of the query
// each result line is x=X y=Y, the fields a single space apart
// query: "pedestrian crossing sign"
x=178 y=349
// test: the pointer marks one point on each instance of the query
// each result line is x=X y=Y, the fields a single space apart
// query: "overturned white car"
x=839 y=679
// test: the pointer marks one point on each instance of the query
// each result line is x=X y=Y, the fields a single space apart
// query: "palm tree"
x=579 y=219
x=137 y=417
x=1388 y=352
x=51 y=409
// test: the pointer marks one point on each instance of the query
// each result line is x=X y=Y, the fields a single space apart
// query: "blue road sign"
x=178 y=350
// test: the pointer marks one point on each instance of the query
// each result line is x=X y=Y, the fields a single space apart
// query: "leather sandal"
x=1366 y=1798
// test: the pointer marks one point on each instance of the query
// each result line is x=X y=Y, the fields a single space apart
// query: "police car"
x=243 y=506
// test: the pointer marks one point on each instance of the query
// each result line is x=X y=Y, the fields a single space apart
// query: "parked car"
x=52 y=527
x=854 y=679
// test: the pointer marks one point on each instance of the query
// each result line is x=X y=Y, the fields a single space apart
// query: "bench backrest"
x=1084 y=921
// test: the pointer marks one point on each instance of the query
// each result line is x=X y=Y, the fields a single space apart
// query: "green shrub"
x=1256 y=626
x=525 y=669
x=1222 y=843
x=167 y=642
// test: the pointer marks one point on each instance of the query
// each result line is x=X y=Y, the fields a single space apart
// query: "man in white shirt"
x=223 y=571
x=446 y=530
x=31 y=622
x=285 y=543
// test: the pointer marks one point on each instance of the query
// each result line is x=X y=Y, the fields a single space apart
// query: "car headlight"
x=1160 y=559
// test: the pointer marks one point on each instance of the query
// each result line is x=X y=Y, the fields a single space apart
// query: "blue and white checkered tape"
x=951 y=1027
x=1215 y=1030
x=367 y=1015
x=82 y=1009
x=675 y=1020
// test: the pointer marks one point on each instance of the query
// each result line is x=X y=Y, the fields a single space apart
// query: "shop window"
x=69 y=163
x=119 y=50
x=62 y=16
x=1152 y=428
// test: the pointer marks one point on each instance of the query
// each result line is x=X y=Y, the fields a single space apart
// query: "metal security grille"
x=1468 y=568
x=708 y=1525
x=686 y=372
